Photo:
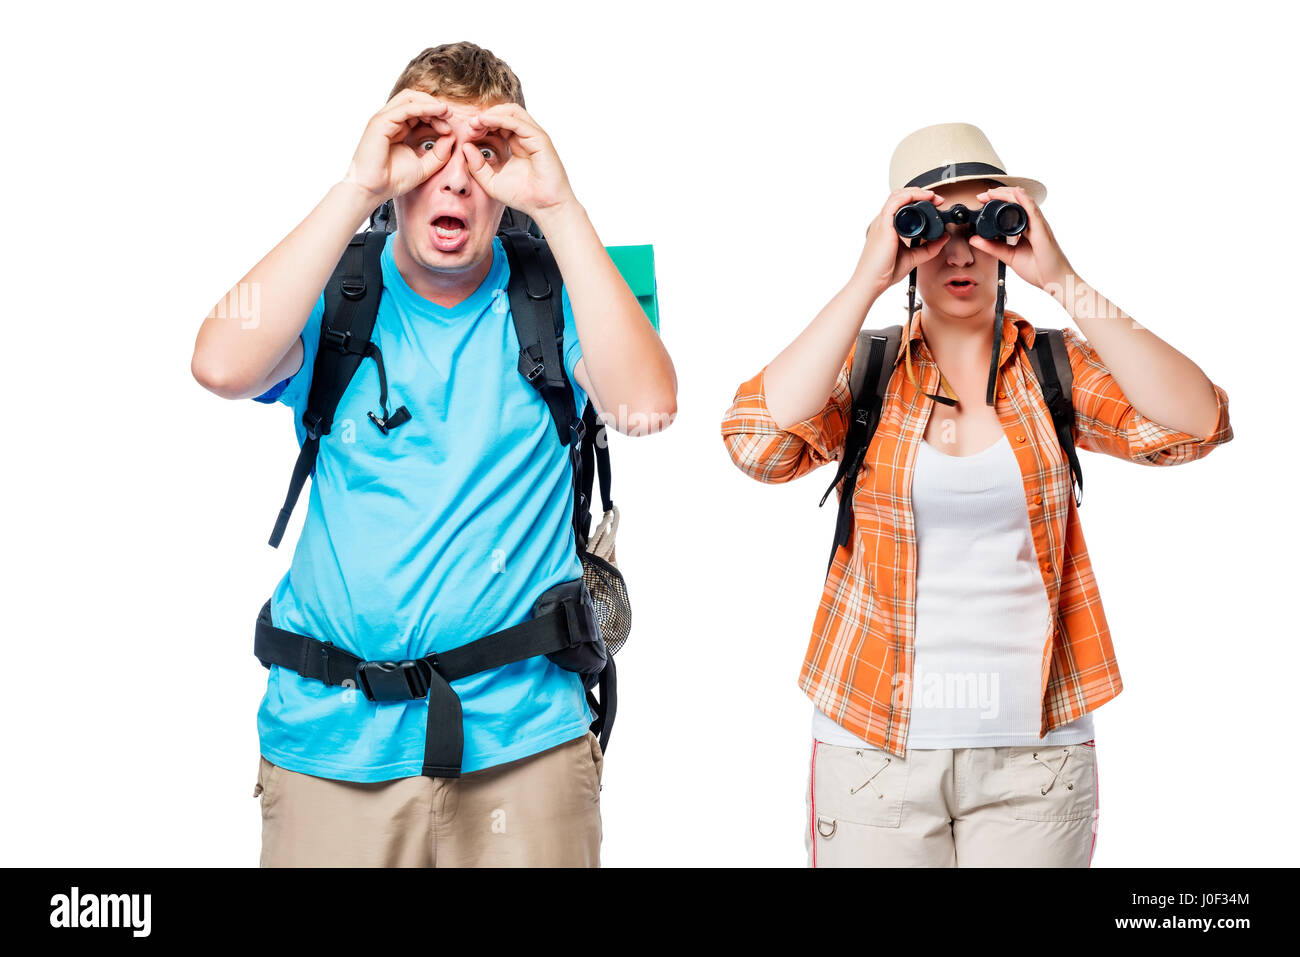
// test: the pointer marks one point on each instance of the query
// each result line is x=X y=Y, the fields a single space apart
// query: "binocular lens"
x=1011 y=219
x=909 y=223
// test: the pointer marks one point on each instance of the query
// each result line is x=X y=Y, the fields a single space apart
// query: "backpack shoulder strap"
x=535 y=289
x=351 y=305
x=538 y=315
x=1051 y=362
x=869 y=377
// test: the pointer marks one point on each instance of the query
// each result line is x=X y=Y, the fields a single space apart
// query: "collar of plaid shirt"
x=859 y=661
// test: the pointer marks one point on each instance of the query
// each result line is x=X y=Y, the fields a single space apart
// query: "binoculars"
x=997 y=219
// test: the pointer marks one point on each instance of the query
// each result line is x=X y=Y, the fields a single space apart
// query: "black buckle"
x=337 y=338
x=530 y=366
x=353 y=287
x=311 y=421
x=395 y=680
x=400 y=416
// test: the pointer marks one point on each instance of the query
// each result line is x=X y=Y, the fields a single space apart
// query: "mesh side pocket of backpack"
x=609 y=596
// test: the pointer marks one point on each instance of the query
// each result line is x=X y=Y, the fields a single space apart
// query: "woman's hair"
x=461 y=71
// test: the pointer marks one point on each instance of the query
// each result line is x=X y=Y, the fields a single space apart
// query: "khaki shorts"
x=539 y=811
x=1024 y=806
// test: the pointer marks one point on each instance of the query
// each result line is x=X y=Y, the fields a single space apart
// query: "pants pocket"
x=266 y=774
x=1054 y=782
x=857 y=786
x=597 y=760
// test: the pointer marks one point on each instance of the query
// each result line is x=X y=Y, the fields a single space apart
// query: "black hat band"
x=952 y=169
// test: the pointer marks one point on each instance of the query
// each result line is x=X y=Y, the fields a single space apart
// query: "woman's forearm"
x=799 y=381
x=1158 y=380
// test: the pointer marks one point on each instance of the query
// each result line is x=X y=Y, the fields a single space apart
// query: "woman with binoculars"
x=960 y=646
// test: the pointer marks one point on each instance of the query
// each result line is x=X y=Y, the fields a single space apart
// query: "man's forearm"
x=628 y=366
x=251 y=329
x=1158 y=380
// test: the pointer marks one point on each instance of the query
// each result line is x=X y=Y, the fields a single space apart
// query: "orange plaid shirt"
x=859 y=661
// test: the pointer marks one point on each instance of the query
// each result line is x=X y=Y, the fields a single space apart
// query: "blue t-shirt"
x=443 y=531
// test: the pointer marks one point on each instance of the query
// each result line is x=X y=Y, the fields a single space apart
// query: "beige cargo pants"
x=539 y=811
x=1031 y=806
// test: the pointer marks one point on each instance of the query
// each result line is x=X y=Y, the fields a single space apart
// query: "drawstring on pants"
x=869 y=780
x=1055 y=772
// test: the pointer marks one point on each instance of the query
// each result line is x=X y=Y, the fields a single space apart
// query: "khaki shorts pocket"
x=266 y=774
x=597 y=759
x=857 y=786
x=1052 y=782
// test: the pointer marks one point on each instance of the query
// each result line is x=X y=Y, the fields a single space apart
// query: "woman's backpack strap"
x=1051 y=362
x=873 y=366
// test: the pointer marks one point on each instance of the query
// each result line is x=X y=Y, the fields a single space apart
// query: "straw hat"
x=952 y=153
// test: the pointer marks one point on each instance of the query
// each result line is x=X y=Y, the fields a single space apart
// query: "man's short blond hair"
x=461 y=71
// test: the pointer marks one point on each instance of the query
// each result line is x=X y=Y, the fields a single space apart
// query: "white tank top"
x=982 y=613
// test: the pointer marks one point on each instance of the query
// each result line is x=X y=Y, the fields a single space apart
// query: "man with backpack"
x=441 y=517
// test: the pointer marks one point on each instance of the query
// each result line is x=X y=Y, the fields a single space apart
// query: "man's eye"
x=488 y=152
x=428 y=142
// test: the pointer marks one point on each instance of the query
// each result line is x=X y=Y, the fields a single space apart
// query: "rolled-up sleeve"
x=765 y=451
x=1105 y=421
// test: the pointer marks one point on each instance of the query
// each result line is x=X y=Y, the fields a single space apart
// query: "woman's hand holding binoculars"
x=886 y=258
x=1034 y=253
x=1009 y=227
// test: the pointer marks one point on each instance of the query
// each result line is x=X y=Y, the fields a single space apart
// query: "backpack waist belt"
x=562 y=632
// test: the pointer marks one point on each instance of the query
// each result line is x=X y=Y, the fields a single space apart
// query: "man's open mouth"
x=449 y=233
x=960 y=287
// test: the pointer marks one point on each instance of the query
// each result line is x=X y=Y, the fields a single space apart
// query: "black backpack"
x=351 y=306
x=869 y=379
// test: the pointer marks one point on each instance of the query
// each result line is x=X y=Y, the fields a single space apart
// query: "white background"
x=153 y=154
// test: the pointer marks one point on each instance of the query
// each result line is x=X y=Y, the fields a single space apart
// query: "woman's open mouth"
x=449 y=233
x=961 y=288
